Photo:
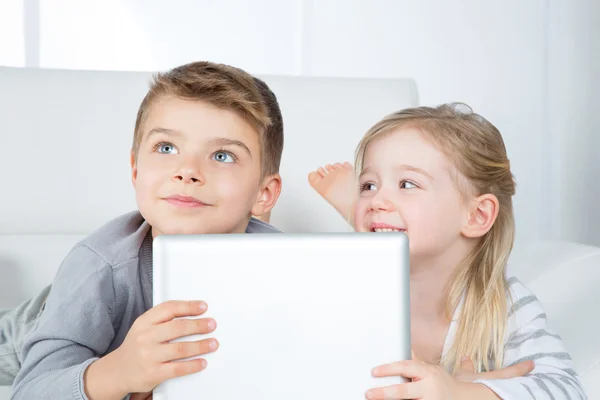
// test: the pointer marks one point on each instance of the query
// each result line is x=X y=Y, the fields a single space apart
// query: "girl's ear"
x=482 y=215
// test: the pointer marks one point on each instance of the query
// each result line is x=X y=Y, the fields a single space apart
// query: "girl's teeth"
x=386 y=230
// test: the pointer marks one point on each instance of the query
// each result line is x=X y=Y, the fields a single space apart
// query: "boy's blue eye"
x=223 y=156
x=166 y=148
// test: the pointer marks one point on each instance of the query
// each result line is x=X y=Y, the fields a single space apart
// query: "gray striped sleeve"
x=519 y=340
x=529 y=337
x=537 y=356
x=522 y=302
x=544 y=387
x=528 y=390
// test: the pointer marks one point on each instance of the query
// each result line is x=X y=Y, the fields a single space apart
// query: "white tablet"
x=299 y=316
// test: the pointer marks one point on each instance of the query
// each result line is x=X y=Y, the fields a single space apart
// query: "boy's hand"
x=146 y=358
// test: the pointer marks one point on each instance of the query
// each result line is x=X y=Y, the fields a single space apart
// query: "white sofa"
x=66 y=172
x=566 y=278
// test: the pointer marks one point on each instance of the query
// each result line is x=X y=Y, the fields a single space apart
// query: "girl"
x=442 y=176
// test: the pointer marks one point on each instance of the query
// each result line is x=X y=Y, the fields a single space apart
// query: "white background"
x=531 y=67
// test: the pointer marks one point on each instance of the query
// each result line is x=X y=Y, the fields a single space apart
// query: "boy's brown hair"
x=228 y=88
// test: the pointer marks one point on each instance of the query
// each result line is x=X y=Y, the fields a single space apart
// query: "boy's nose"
x=189 y=173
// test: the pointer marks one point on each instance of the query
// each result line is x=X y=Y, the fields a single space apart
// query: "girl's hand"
x=429 y=382
x=467 y=371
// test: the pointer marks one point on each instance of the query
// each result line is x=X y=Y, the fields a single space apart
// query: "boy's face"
x=198 y=170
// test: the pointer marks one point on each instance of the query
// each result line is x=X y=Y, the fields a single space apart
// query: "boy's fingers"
x=180 y=350
x=172 y=309
x=514 y=371
x=175 y=369
x=182 y=327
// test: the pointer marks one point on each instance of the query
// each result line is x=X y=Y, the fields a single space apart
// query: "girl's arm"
x=531 y=339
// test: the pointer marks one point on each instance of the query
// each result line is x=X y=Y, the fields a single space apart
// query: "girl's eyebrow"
x=405 y=167
x=363 y=172
x=415 y=169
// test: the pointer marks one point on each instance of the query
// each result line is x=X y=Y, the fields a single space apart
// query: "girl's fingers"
x=405 y=368
x=411 y=390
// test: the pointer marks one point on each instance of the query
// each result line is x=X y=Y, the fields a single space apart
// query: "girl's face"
x=408 y=185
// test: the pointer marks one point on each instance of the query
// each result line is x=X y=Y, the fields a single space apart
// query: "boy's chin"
x=179 y=230
x=203 y=229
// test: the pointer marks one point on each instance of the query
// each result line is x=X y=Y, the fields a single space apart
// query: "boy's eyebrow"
x=219 y=141
x=166 y=131
x=231 y=142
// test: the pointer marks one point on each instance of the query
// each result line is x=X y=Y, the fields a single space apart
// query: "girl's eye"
x=367 y=186
x=407 y=185
x=224 y=157
x=166 y=148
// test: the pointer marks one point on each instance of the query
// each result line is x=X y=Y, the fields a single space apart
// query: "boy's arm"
x=75 y=327
x=553 y=376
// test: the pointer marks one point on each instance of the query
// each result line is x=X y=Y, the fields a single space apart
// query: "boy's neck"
x=241 y=228
x=429 y=280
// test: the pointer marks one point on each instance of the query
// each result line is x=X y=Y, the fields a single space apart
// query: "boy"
x=205 y=157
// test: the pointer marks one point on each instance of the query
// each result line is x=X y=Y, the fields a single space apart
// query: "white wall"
x=261 y=35
x=513 y=61
x=12 y=42
x=574 y=117
x=472 y=53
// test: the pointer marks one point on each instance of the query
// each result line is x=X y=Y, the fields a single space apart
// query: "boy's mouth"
x=185 y=201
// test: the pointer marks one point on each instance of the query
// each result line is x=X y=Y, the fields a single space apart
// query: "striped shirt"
x=528 y=337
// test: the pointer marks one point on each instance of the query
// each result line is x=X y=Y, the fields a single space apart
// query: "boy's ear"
x=133 y=168
x=268 y=194
x=483 y=212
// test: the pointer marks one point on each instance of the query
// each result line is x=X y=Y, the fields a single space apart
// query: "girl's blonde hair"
x=477 y=150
